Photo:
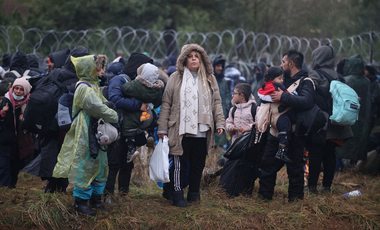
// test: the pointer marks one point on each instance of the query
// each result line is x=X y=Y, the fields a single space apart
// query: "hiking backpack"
x=345 y=102
x=43 y=104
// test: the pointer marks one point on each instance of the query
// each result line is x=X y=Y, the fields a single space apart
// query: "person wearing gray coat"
x=321 y=145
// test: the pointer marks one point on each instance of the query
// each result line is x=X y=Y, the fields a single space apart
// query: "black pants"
x=117 y=162
x=194 y=152
x=271 y=165
x=321 y=154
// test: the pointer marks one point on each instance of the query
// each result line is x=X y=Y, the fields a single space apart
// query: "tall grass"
x=27 y=207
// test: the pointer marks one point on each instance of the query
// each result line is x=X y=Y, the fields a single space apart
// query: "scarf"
x=195 y=102
x=16 y=104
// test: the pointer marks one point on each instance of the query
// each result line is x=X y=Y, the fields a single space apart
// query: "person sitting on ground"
x=147 y=88
x=274 y=78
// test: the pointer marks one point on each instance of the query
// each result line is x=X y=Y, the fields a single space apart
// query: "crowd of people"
x=198 y=102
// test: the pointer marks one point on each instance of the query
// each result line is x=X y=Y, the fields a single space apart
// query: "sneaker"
x=132 y=156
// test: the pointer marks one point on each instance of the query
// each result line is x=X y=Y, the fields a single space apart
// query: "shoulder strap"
x=26 y=73
x=86 y=83
x=253 y=111
x=83 y=82
x=309 y=79
x=233 y=112
x=16 y=73
x=323 y=73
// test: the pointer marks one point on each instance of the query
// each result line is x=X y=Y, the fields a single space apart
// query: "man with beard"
x=301 y=99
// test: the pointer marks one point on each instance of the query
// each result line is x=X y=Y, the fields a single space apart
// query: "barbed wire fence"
x=241 y=48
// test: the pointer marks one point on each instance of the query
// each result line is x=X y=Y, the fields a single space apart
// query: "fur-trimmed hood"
x=158 y=84
x=186 y=50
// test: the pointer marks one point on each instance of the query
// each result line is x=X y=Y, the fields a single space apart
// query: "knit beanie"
x=24 y=83
x=149 y=72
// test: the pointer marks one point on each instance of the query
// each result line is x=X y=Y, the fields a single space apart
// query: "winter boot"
x=81 y=206
x=167 y=191
x=178 y=199
x=96 y=202
x=193 y=196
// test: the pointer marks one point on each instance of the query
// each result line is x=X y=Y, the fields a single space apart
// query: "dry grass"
x=28 y=208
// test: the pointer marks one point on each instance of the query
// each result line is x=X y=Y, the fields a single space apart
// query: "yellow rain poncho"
x=74 y=160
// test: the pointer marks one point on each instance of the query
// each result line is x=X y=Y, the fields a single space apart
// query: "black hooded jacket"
x=219 y=60
x=134 y=62
x=59 y=58
x=19 y=63
x=33 y=64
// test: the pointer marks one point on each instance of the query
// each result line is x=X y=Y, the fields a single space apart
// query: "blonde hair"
x=202 y=74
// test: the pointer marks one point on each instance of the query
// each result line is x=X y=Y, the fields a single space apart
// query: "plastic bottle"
x=353 y=193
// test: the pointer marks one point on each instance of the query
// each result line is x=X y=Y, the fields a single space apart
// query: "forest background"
x=301 y=18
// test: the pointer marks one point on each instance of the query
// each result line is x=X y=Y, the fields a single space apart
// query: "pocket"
x=173 y=133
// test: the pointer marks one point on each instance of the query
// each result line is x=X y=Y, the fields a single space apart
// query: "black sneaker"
x=326 y=190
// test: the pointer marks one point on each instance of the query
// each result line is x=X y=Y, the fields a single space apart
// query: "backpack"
x=5 y=85
x=43 y=105
x=65 y=107
x=345 y=104
x=253 y=111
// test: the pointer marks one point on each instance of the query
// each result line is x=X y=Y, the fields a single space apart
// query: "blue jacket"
x=115 y=95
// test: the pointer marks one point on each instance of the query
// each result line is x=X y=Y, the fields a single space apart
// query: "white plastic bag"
x=159 y=162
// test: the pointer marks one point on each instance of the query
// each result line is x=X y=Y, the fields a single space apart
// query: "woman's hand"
x=220 y=131
x=233 y=130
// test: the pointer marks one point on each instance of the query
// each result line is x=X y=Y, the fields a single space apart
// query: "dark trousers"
x=319 y=154
x=117 y=162
x=15 y=165
x=194 y=153
x=5 y=171
x=284 y=127
x=270 y=165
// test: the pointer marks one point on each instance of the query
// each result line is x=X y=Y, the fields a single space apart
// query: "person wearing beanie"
x=11 y=112
x=273 y=82
x=146 y=88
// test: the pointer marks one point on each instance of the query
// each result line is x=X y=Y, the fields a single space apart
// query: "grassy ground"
x=27 y=207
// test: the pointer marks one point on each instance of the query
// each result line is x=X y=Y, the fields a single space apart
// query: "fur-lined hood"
x=158 y=84
x=186 y=50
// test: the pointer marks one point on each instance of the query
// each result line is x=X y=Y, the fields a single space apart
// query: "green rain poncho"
x=74 y=160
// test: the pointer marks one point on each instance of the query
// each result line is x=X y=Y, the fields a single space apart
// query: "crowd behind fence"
x=239 y=47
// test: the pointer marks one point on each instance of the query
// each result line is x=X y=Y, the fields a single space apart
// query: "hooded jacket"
x=74 y=160
x=60 y=57
x=242 y=117
x=144 y=91
x=225 y=93
x=168 y=121
x=356 y=147
x=134 y=62
x=19 y=63
x=323 y=58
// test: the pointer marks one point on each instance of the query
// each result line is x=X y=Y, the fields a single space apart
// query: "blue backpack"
x=345 y=102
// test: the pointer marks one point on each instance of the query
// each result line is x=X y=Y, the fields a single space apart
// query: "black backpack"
x=5 y=85
x=43 y=105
